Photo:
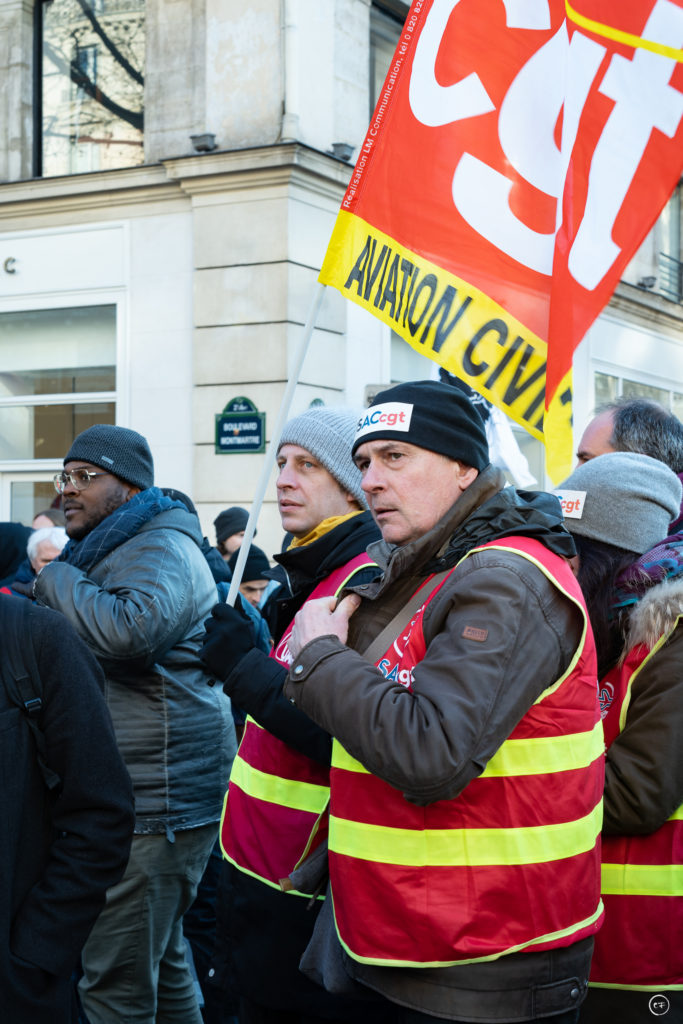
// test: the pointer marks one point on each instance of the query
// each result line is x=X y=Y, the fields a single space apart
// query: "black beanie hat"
x=255 y=565
x=430 y=415
x=120 y=451
x=229 y=521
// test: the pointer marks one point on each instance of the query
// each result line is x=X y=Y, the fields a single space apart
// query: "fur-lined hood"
x=655 y=613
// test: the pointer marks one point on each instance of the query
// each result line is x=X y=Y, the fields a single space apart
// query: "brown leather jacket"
x=467 y=696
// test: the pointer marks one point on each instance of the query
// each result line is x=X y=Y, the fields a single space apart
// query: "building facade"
x=171 y=175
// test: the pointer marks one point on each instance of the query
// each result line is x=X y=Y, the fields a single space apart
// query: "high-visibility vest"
x=513 y=862
x=641 y=943
x=275 y=809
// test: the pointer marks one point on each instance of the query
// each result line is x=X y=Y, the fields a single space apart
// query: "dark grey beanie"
x=327 y=433
x=229 y=521
x=630 y=500
x=120 y=451
x=255 y=566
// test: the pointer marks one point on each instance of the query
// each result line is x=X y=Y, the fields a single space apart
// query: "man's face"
x=306 y=492
x=252 y=590
x=233 y=542
x=41 y=523
x=596 y=439
x=45 y=552
x=83 y=510
x=408 y=488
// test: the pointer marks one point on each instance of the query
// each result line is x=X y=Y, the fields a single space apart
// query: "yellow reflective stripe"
x=539 y=755
x=465 y=847
x=342 y=759
x=546 y=572
x=619 y=36
x=267 y=881
x=252 y=721
x=300 y=796
x=642 y=880
x=538 y=940
x=543 y=755
x=369 y=564
x=634 y=675
x=636 y=988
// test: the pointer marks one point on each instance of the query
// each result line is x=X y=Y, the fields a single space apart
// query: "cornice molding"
x=648 y=309
x=81 y=192
x=278 y=165
x=177 y=180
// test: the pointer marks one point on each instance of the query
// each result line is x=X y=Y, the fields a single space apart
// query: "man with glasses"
x=135 y=585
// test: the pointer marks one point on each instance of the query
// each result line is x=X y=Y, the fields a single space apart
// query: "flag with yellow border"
x=516 y=158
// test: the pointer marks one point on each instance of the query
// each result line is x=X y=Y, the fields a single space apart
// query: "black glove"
x=21 y=587
x=229 y=636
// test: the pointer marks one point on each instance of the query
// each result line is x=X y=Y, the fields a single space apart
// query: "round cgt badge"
x=659 y=1005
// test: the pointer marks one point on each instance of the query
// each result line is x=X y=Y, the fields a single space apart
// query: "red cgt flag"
x=518 y=155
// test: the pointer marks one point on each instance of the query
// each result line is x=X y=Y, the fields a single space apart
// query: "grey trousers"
x=134 y=965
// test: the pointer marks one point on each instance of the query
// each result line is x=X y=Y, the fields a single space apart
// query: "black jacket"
x=262 y=932
x=13 y=540
x=255 y=684
x=59 y=852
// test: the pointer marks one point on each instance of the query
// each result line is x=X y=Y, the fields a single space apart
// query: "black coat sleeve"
x=255 y=685
x=90 y=820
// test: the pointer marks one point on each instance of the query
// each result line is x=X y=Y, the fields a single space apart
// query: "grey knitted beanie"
x=631 y=500
x=120 y=451
x=327 y=433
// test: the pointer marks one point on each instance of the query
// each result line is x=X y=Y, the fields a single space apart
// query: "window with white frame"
x=386 y=21
x=670 y=264
x=57 y=377
x=90 y=114
x=608 y=387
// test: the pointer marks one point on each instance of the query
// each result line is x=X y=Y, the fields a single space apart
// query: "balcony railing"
x=670 y=278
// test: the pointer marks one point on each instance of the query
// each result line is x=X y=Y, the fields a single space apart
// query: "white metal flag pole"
x=282 y=417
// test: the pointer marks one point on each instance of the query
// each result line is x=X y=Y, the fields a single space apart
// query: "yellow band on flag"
x=448 y=320
x=617 y=36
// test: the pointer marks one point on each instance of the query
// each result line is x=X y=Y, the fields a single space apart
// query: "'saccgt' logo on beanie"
x=572 y=503
x=391 y=415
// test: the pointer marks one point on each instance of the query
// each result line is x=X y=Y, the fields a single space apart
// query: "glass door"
x=26 y=494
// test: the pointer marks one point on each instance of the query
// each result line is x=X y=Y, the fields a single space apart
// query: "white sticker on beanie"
x=389 y=416
x=572 y=503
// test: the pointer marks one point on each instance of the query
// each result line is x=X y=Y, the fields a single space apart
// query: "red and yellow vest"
x=275 y=809
x=641 y=943
x=512 y=863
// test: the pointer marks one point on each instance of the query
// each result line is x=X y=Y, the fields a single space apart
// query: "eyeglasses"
x=78 y=478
